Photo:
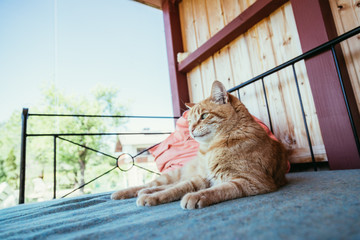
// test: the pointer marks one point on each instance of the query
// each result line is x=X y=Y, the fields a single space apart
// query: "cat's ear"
x=189 y=105
x=219 y=94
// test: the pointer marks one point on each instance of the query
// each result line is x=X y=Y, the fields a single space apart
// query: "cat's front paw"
x=125 y=193
x=151 y=190
x=122 y=194
x=194 y=200
x=147 y=200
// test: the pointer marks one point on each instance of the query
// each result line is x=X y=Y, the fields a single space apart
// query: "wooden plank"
x=189 y=35
x=178 y=83
x=215 y=16
x=294 y=47
x=277 y=86
x=242 y=70
x=241 y=62
x=347 y=16
x=286 y=46
x=223 y=68
x=201 y=21
x=239 y=25
x=196 y=89
x=231 y=9
x=258 y=66
x=187 y=26
x=281 y=119
x=244 y=4
x=242 y=67
x=222 y=64
x=314 y=27
x=301 y=154
x=203 y=34
x=208 y=75
x=152 y=3
x=238 y=52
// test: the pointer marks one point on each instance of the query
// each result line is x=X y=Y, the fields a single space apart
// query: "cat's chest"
x=215 y=178
x=209 y=167
x=214 y=172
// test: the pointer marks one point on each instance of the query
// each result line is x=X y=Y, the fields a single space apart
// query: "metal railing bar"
x=107 y=155
x=267 y=105
x=148 y=170
x=24 y=118
x=145 y=150
x=54 y=188
x=308 y=54
x=89 y=182
x=80 y=145
x=94 y=134
x=346 y=100
x=97 y=116
x=238 y=94
x=304 y=119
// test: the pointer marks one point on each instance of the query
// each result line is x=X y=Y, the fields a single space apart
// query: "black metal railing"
x=60 y=136
x=328 y=46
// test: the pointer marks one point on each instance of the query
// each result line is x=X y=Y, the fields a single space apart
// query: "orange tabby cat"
x=236 y=158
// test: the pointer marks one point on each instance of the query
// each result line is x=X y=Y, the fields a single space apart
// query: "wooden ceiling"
x=153 y=3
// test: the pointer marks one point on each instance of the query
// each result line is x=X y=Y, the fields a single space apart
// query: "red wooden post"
x=315 y=26
x=174 y=45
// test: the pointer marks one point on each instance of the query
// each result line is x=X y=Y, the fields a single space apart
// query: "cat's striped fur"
x=236 y=159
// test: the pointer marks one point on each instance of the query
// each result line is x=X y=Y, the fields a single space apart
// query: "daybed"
x=314 y=205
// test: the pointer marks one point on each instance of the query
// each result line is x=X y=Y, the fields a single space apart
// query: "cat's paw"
x=194 y=200
x=150 y=190
x=120 y=195
x=125 y=194
x=147 y=200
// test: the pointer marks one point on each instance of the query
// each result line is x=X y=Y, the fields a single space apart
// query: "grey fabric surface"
x=314 y=205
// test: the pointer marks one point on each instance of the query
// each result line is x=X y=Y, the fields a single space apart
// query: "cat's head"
x=210 y=116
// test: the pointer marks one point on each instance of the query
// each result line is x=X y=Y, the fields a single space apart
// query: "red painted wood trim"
x=255 y=13
x=315 y=25
x=174 y=45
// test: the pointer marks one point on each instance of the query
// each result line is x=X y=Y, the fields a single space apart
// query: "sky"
x=78 y=44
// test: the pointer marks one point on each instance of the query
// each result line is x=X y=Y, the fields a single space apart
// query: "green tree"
x=2 y=160
x=9 y=147
x=101 y=101
x=2 y=171
x=10 y=169
x=72 y=161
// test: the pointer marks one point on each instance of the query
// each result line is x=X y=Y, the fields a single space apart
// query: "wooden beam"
x=315 y=26
x=174 y=45
x=151 y=3
x=252 y=15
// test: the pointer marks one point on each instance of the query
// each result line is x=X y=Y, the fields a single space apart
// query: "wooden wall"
x=269 y=43
x=347 y=16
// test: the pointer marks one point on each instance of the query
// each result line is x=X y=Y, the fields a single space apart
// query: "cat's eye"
x=204 y=115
